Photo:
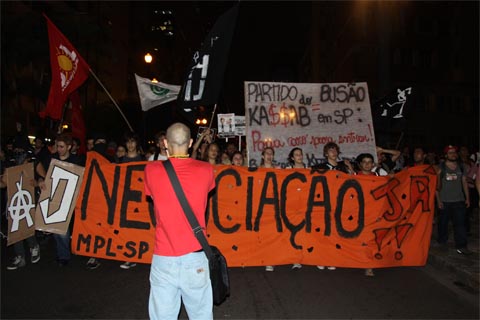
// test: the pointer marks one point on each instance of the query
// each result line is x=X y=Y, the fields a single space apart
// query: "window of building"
x=425 y=59
x=407 y=57
x=425 y=26
x=440 y=103
x=435 y=59
x=467 y=107
x=453 y=28
x=415 y=58
x=448 y=104
x=397 y=57
x=420 y=103
x=456 y=60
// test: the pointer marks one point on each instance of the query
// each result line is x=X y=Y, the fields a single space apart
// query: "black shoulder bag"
x=217 y=262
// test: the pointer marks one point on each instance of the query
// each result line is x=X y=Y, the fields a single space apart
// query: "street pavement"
x=463 y=271
x=446 y=288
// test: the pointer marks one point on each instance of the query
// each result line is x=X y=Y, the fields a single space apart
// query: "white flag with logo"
x=153 y=94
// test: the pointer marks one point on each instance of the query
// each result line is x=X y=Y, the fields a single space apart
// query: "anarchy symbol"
x=20 y=206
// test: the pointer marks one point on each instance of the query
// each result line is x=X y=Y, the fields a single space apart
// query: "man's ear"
x=165 y=143
x=191 y=142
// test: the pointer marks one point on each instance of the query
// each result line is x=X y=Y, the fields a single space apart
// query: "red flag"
x=69 y=71
x=78 y=124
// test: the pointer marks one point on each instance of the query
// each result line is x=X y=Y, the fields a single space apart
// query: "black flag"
x=205 y=74
x=390 y=113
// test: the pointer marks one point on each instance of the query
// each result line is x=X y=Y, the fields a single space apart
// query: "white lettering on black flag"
x=205 y=74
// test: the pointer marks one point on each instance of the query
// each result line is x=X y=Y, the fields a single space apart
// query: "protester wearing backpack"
x=453 y=200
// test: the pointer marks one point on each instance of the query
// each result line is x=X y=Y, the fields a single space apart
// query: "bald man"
x=179 y=268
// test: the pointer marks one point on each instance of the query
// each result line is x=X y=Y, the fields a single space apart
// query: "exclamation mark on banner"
x=379 y=236
x=401 y=232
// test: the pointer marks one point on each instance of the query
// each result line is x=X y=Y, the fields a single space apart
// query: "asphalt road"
x=46 y=291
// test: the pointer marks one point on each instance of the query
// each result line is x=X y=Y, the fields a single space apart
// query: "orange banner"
x=269 y=216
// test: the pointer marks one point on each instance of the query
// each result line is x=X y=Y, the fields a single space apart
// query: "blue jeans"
x=173 y=279
x=63 y=246
x=457 y=211
x=19 y=248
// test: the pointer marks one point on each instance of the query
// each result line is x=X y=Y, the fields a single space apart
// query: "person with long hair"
x=212 y=154
x=295 y=158
x=268 y=154
x=295 y=161
x=237 y=159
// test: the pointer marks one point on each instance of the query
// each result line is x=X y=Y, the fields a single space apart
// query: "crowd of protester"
x=451 y=164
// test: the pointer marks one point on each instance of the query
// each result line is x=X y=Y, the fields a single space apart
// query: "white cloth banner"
x=307 y=115
x=153 y=94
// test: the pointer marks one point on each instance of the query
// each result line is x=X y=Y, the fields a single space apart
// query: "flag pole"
x=60 y=125
x=213 y=114
x=108 y=93
x=399 y=140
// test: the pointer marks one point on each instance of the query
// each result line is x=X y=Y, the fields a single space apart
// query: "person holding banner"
x=268 y=155
x=179 y=270
x=237 y=159
x=386 y=159
x=295 y=160
x=331 y=151
x=120 y=153
x=63 y=143
x=419 y=157
x=18 y=260
x=225 y=159
x=132 y=155
x=99 y=145
x=366 y=162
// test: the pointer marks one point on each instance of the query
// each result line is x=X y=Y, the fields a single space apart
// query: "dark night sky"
x=270 y=40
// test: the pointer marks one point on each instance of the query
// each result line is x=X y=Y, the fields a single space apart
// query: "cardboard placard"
x=57 y=201
x=21 y=202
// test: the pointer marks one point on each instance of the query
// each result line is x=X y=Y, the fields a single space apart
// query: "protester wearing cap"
x=453 y=200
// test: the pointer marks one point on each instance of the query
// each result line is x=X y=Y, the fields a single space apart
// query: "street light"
x=148 y=58
x=201 y=121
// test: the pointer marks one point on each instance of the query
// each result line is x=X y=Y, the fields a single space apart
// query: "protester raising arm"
x=206 y=139
x=386 y=159
x=395 y=153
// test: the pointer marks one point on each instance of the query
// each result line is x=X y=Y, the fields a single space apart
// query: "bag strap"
x=197 y=230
